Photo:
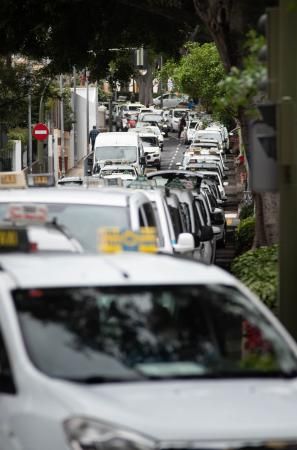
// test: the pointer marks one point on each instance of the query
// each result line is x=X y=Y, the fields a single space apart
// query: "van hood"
x=190 y=410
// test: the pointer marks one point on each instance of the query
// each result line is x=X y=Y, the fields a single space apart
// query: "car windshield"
x=178 y=113
x=151 y=118
x=122 y=333
x=149 y=141
x=83 y=221
x=121 y=152
x=192 y=124
x=107 y=172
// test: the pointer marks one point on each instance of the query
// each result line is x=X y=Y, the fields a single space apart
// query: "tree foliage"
x=240 y=85
x=198 y=72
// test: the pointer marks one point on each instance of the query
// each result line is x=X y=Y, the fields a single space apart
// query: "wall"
x=81 y=120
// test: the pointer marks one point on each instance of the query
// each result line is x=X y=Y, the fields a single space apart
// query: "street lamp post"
x=62 y=126
x=88 y=112
x=161 y=82
x=30 y=121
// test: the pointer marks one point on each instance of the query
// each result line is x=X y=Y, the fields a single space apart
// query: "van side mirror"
x=142 y=160
x=185 y=243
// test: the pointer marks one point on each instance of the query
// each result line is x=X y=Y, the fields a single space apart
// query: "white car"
x=211 y=136
x=152 y=150
x=118 y=171
x=142 y=128
x=174 y=117
x=139 y=351
x=170 y=100
x=84 y=211
x=189 y=131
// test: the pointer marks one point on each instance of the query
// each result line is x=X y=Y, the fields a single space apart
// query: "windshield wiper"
x=98 y=379
x=225 y=375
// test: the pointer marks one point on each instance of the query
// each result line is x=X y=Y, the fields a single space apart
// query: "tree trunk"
x=223 y=19
x=145 y=85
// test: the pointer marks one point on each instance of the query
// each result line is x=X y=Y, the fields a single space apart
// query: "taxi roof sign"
x=12 y=180
x=40 y=180
x=13 y=240
x=26 y=214
x=115 y=240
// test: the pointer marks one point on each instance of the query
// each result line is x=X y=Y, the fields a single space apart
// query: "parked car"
x=170 y=100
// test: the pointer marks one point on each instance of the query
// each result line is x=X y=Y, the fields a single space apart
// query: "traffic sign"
x=40 y=131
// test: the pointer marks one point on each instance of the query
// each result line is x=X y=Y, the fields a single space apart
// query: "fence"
x=6 y=160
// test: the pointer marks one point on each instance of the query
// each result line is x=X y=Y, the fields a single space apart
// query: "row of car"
x=132 y=350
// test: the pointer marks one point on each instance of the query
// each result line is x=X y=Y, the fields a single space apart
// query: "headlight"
x=88 y=434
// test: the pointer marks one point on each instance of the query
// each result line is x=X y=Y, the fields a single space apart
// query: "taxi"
x=118 y=170
x=145 y=352
x=26 y=227
x=82 y=211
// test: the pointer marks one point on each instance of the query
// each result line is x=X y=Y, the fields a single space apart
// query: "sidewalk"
x=77 y=171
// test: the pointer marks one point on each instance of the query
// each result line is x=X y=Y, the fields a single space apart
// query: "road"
x=172 y=152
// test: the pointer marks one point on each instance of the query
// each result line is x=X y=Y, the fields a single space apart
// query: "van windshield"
x=116 y=152
x=83 y=221
x=122 y=333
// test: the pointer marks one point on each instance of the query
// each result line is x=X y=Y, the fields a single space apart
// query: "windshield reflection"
x=157 y=332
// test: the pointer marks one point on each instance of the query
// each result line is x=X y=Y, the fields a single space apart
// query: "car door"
x=10 y=400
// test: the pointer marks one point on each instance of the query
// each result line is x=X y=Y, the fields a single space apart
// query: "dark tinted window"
x=176 y=221
x=7 y=384
x=149 y=214
x=125 y=332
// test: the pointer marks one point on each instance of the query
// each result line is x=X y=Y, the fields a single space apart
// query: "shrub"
x=18 y=134
x=246 y=211
x=257 y=269
x=245 y=235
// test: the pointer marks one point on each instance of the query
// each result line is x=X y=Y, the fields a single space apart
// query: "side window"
x=203 y=211
x=141 y=218
x=196 y=218
x=187 y=217
x=7 y=385
x=177 y=225
x=149 y=214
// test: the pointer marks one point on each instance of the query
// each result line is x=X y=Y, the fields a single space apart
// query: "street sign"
x=40 y=131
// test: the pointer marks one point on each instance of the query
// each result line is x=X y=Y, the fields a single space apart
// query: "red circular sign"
x=40 y=131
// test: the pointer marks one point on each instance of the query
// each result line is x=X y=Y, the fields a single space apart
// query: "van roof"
x=116 y=138
x=108 y=270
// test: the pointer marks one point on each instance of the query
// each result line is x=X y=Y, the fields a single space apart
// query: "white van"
x=142 y=352
x=118 y=147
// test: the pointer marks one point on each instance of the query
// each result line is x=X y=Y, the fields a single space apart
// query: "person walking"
x=181 y=126
x=93 y=134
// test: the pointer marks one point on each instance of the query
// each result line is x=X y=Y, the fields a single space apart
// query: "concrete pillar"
x=17 y=156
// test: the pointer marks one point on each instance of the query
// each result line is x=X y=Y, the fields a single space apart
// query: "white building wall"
x=81 y=120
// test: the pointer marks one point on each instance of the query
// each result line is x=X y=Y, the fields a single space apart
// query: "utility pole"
x=30 y=121
x=88 y=112
x=74 y=117
x=62 y=126
x=161 y=82
x=287 y=129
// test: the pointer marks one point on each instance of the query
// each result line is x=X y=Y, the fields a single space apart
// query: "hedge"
x=258 y=270
x=245 y=235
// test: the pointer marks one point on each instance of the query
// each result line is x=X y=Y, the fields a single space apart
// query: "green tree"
x=198 y=73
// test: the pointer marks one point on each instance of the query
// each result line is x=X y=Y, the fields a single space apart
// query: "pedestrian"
x=93 y=134
x=181 y=126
